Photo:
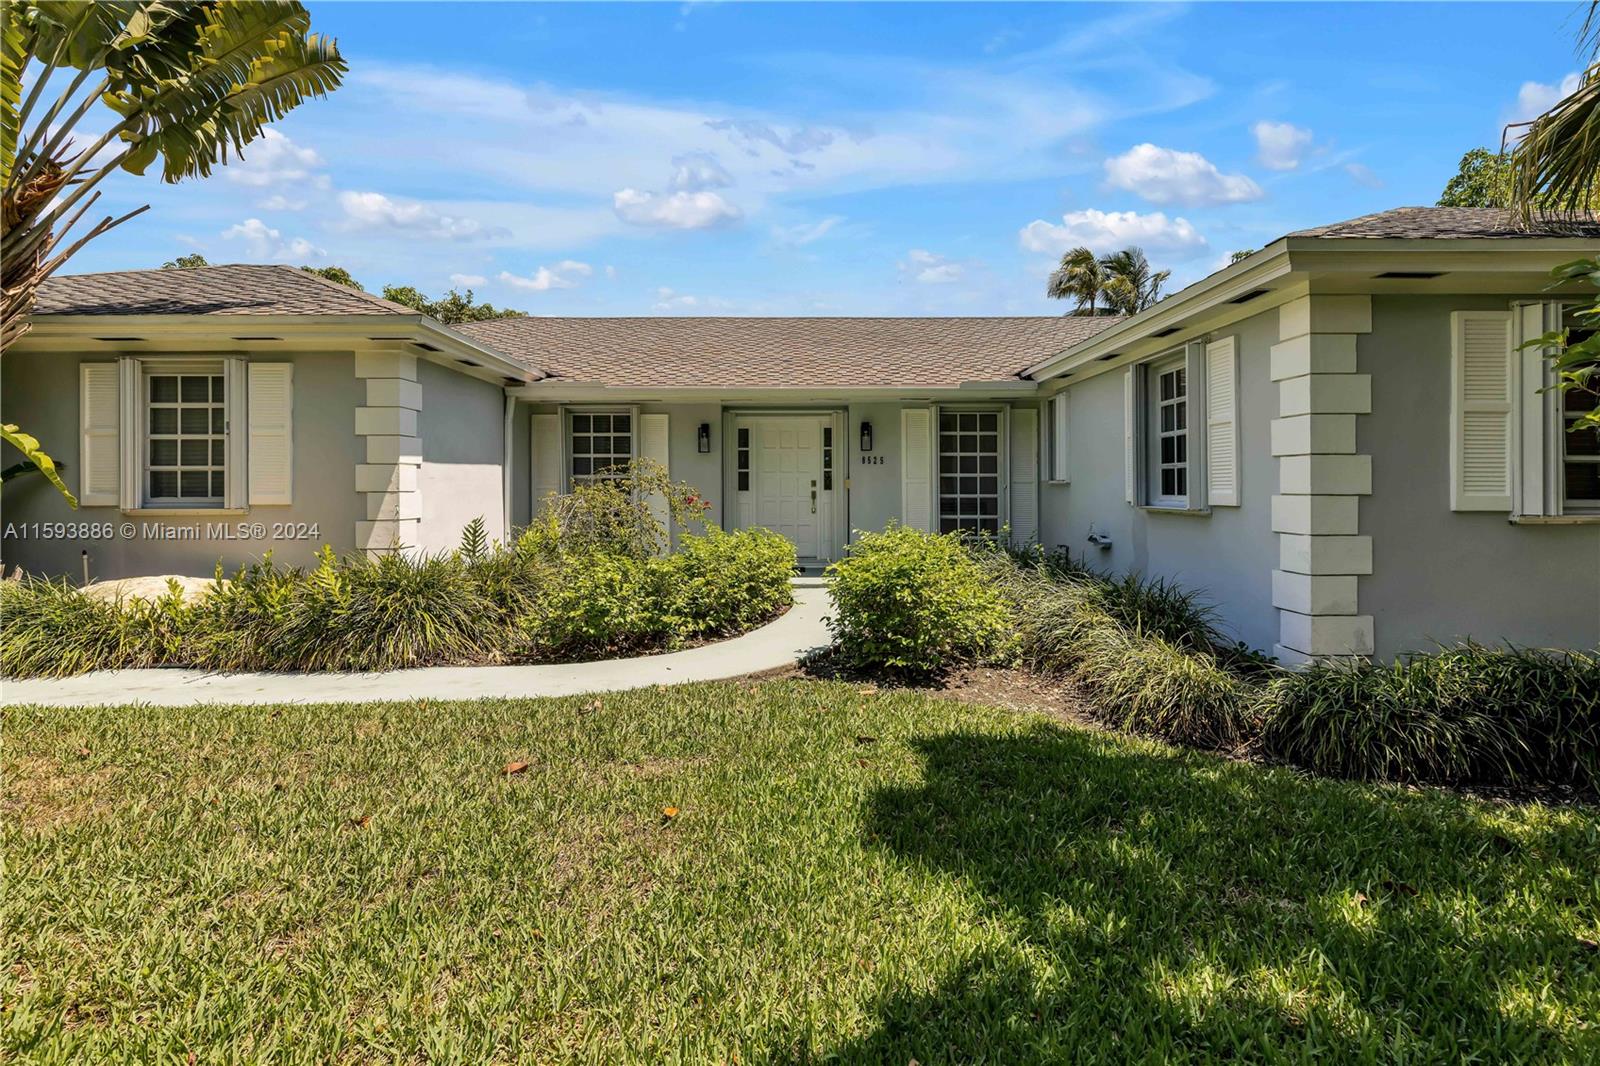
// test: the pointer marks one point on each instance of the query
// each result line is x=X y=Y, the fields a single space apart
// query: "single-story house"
x=1337 y=439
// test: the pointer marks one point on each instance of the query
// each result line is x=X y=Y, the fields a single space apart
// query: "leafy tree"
x=1080 y=278
x=1131 y=286
x=336 y=273
x=1554 y=166
x=187 y=81
x=450 y=309
x=185 y=262
x=1482 y=179
x=1121 y=283
x=1243 y=253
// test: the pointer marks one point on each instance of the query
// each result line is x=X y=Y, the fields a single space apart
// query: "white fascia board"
x=1253 y=272
x=561 y=390
x=267 y=334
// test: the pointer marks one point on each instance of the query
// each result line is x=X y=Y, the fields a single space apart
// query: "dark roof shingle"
x=1453 y=223
x=783 y=352
x=236 y=289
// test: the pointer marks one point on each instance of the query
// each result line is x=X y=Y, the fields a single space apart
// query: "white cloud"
x=273 y=160
x=929 y=268
x=375 y=211
x=467 y=281
x=1535 y=98
x=280 y=202
x=1280 y=145
x=677 y=210
x=611 y=272
x=1363 y=175
x=264 y=242
x=1107 y=231
x=750 y=132
x=694 y=171
x=563 y=275
x=1164 y=176
x=805 y=232
x=669 y=301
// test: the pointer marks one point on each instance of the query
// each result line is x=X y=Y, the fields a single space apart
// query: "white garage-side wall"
x=462 y=429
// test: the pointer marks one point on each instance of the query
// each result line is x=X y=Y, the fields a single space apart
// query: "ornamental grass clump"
x=49 y=628
x=913 y=603
x=1462 y=715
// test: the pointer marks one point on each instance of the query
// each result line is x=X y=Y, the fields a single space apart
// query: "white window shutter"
x=654 y=444
x=1130 y=450
x=100 y=434
x=546 y=459
x=1060 y=438
x=1024 y=465
x=270 y=424
x=1480 y=411
x=1537 y=452
x=1222 y=423
x=916 y=466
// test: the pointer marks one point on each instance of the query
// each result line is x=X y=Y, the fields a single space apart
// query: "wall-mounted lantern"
x=703 y=438
x=866 y=436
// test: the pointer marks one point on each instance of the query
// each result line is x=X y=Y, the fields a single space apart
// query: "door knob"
x=813 y=497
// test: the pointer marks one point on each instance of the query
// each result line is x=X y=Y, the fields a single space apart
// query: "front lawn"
x=788 y=871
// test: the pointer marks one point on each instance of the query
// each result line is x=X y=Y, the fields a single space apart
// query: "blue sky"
x=844 y=159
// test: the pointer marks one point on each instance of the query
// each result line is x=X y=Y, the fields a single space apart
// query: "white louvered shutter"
x=654 y=444
x=100 y=430
x=270 y=423
x=916 y=485
x=1129 y=426
x=1024 y=487
x=1060 y=439
x=1222 y=423
x=545 y=460
x=1480 y=411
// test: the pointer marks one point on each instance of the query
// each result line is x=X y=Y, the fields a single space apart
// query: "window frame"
x=1154 y=434
x=568 y=441
x=1562 y=458
x=136 y=373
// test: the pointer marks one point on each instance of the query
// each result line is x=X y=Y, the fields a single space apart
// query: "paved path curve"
x=777 y=644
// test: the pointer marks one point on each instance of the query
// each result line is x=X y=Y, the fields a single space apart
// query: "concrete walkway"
x=778 y=644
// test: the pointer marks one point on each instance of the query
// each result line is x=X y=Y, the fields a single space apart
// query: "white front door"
x=780 y=480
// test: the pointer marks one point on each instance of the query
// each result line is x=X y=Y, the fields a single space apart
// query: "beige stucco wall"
x=39 y=390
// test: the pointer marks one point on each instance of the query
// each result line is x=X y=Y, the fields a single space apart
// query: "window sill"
x=186 y=511
x=1159 y=508
x=1555 y=520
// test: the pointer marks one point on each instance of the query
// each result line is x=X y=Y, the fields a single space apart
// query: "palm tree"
x=1554 y=165
x=1080 y=278
x=1131 y=286
x=188 y=81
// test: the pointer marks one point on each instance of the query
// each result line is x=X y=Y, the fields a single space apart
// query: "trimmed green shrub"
x=725 y=582
x=1463 y=715
x=913 y=603
x=584 y=580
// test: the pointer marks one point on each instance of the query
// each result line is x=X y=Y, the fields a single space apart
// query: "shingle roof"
x=237 y=289
x=783 y=352
x=1453 y=223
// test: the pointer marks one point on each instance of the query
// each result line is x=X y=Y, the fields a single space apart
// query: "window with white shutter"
x=1222 y=423
x=655 y=444
x=1057 y=434
x=100 y=435
x=1023 y=471
x=271 y=429
x=916 y=488
x=1130 y=434
x=545 y=449
x=1481 y=383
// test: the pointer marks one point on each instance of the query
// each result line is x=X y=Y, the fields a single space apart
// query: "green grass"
x=852 y=875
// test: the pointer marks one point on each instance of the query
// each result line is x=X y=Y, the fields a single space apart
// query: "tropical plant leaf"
x=31 y=450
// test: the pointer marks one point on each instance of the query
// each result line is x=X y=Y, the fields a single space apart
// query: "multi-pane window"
x=602 y=445
x=744 y=459
x=969 y=471
x=1172 y=435
x=186 y=437
x=827 y=458
x=1580 y=448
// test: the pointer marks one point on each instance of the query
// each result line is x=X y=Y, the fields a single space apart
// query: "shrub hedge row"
x=590 y=578
x=1152 y=659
